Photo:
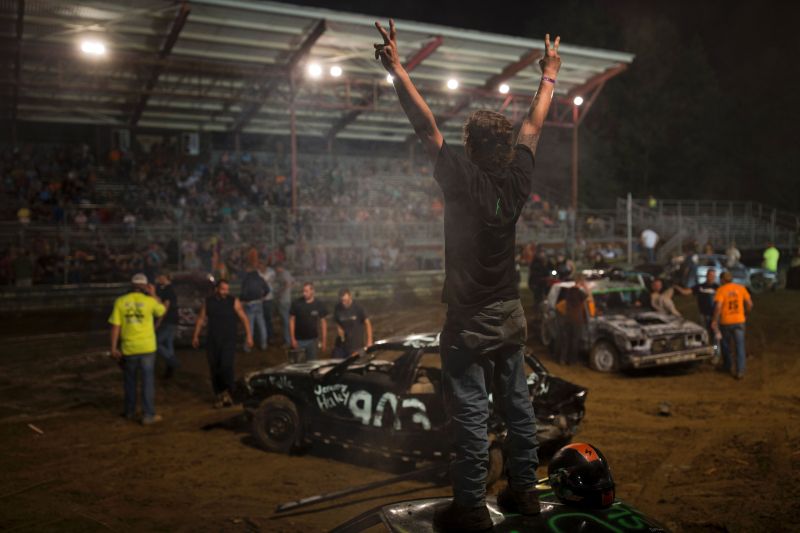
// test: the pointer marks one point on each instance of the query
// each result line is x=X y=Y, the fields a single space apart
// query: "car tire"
x=276 y=424
x=758 y=284
x=496 y=463
x=604 y=357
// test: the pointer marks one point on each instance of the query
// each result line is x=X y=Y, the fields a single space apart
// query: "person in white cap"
x=132 y=322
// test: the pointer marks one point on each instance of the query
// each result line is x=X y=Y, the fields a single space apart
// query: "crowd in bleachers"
x=94 y=197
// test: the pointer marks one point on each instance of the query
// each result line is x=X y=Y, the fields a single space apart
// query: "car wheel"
x=495 y=464
x=758 y=284
x=276 y=424
x=604 y=357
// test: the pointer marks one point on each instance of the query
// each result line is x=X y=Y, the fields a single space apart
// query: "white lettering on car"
x=361 y=406
x=331 y=396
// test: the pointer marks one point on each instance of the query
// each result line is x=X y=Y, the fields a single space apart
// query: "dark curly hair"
x=488 y=140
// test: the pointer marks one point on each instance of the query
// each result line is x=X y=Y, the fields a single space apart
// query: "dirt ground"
x=727 y=459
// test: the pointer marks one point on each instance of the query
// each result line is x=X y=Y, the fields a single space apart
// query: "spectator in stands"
x=23 y=268
x=732 y=255
x=771 y=258
x=307 y=326
x=352 y=324
x=708 y=248
x=733 y=303
x=132 y=321
x=254 y=291
x=649 y=240
x=167 y=325
x=285 y=282
x=267 y=273
x=222 y=311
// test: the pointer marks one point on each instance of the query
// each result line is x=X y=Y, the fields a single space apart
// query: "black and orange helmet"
x=579 y=476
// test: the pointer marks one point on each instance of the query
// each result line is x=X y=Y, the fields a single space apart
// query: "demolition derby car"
x=625 y=334
x=191 y=289
x=388 y=400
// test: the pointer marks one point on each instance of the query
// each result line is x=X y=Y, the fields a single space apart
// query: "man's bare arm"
x=532 y=125
x=414 y=106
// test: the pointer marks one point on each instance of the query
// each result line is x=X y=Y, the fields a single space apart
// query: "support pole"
x=293 y=148
x=574 y=191
x=629 y=213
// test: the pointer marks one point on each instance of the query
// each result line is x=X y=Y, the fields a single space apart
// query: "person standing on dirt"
x=308 y=329
x=285 y=282
x=705 y=293
x=539 y=272
x=485 y=330
x=254 y=290
x=167 y=325
x=575 y=309
x=132 y=321
x=732 y=303
x=352 y=323
x=222 y=310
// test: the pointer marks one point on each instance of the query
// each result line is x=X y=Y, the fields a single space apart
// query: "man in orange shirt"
x=731 y=302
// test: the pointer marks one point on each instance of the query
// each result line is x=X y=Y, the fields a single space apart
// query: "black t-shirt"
x=480 y=216
x=306 y=316
x=705 y=293
x=167 y=294
x=222 y=317
x=351 y=320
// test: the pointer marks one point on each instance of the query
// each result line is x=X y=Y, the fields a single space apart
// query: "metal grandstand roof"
x=232 y=65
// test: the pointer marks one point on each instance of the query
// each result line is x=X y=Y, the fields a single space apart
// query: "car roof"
x=605 y=286
x=415 y=340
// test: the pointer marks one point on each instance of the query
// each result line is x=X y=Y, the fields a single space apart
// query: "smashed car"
x=191 y=289
x=388 y=400
x=625 y=333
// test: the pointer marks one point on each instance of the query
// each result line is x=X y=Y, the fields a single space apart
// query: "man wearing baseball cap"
x=132 y=321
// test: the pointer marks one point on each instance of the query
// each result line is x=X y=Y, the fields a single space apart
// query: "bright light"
x=336 y=71
x=504 y=88
x=578 y=100
x=93 y=47
x=314 y=70
x=452 y=84
x=389 y=78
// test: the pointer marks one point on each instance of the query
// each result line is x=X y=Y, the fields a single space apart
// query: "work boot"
x=457 y=518
x=218 y=403
x=525 y=502
x=227 y=401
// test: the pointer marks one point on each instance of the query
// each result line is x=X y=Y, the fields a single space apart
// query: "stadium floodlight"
x=504 y=88
x=452 y=84
x=314 y=70
x=336 y=71
x=93 y=47
x=578 y=100
x=389 y=78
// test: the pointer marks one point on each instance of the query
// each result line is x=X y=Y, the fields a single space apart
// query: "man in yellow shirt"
x=731 y=302
x=132 y=321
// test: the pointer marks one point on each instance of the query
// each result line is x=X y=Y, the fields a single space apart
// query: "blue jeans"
x=284 y=311
x=309 y=346
x=483 y=353
x=130 y=366
x=166 y=344
x=268 y=318
x=255 y=315
x=733 y=333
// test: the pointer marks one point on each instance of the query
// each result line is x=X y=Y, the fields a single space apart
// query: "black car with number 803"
x=388 y=400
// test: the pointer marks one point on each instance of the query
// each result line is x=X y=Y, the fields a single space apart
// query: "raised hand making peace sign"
x=387 y=51
x=551 y=62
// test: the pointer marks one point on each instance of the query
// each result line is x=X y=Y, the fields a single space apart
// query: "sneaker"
x=148 y=420
x=456 y=517
x=525 y=502
x=218 y=403
x=129 y=416
x=739 y=376
x=227 y=401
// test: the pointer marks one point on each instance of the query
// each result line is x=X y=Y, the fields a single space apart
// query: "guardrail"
x=100 y=296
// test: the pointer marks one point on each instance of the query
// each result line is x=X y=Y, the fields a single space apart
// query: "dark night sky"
x=735 y=63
